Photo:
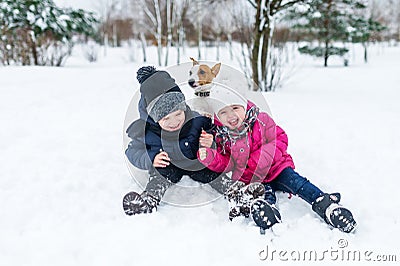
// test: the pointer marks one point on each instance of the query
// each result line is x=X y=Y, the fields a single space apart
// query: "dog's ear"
x=194 y=61
x=215 y=69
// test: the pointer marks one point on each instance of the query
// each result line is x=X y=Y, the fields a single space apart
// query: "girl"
x=251 y=146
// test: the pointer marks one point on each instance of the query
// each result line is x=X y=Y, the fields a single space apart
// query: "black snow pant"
x=163 y=178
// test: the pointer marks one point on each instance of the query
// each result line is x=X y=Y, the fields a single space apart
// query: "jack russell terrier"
x=201 y=78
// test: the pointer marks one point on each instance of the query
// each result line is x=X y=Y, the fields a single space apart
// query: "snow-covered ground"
x=63 y=171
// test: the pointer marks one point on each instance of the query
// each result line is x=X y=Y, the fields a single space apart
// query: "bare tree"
x=219 y=23
x=108 y=11
x=169 y=9
x=135 y=13
x=394 y=15
x=196 y=15
x=150 y=12
x=397 y=21
x=164 y=21
x=265 y=15
x=387 y=12
x=242 y=14
x=143 y=43
x=180 y=11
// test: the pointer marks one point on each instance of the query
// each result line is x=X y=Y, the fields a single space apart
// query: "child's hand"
x=206 y=140
x=161 y=160
x=203 y=153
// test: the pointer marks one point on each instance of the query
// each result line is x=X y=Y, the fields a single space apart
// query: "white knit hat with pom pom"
x=226 y=97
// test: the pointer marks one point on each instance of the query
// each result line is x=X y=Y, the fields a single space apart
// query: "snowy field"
x=63 y=171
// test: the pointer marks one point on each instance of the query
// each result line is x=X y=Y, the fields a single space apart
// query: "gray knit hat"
x=165 y=104
x=160 y=92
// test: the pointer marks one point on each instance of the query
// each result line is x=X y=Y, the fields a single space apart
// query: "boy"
x=165 y=141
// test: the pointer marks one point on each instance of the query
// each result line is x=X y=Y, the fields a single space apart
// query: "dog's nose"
x=191 y=82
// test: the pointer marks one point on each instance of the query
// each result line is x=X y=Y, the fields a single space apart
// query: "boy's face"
x=232 y=116
x=173 y=121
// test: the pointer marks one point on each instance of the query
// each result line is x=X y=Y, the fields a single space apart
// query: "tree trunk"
x=218 y=44
x=199 y=31
x=230 y=45
x=34 y=54
x=132 y=49
x=178 y=49
x=256 y=46
x=327 y=27
x=159 y=48
x=179 y=44
x=169 y=30
x=158 y=31
x=169 y=40
x=246 y=70
x=178 y=52
x=115 y=37
x=365 y=52
x=264 y=54
x=183 y=44
x=33 y=49
x=143 y=42
x=105 y=44
x=266 y=45
x=254 y=57
x=199 y=34
x=326 y=56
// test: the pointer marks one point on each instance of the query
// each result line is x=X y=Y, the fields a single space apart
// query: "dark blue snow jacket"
x=148 y=139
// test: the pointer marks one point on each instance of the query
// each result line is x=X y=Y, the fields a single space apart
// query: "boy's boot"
x=148 y=200
x=328 y=208
x=134 y=203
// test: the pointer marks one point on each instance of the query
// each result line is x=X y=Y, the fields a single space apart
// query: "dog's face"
x=201 y=75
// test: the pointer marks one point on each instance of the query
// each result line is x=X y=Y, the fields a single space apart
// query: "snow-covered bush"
x=37 y=32
x=91 y=51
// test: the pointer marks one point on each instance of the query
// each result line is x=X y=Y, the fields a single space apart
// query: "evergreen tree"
x=328 y=22
x=361 y=31
x=38 y=32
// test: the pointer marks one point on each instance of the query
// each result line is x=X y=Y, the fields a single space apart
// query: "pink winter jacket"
x=259 y=156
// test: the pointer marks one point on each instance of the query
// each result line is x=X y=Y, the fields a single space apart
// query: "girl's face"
x=173 y=121
x=232 y=116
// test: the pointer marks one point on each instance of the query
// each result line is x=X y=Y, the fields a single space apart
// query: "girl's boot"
x=241 y=197
x=328 y=208
x=263 y=211
x=264 y=214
